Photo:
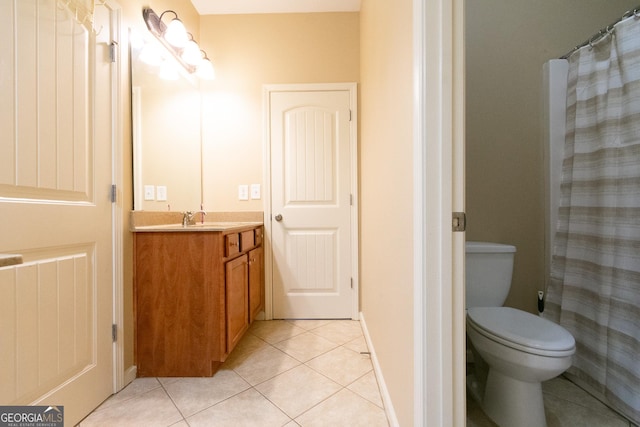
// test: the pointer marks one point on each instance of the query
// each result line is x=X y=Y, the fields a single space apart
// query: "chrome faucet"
x=187 y=217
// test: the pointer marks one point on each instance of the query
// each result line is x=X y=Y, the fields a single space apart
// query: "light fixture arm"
x=166 y=11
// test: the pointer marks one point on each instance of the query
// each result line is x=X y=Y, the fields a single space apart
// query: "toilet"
x=513 y=351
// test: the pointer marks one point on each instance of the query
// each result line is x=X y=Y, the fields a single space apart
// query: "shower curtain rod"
x=635 y=12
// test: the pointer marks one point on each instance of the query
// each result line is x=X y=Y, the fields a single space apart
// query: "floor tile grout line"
x=184 y=418
x=314 y=357
x=221 y=401
x=172 y=401
x=377 y=387
x=270 y=378
x=273 y=403
x=343 y=388
x=320 y=402
x=102 y=407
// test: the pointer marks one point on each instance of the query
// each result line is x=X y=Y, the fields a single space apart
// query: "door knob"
x=278 y=217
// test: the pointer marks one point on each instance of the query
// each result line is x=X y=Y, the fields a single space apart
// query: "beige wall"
x=386 y=205
x=249 y=51
x=507 y=43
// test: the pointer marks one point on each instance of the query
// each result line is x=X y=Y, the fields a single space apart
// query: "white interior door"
x=312 y=215
x=55 y=179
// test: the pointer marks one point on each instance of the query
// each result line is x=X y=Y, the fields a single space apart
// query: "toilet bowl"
x=522 y=350
x=514 y=351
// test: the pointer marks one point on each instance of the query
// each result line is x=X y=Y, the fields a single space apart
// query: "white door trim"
x=439 y=331
x=266 y=155
x=117 y=180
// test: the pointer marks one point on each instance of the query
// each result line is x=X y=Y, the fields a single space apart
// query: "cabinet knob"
x=278 y=217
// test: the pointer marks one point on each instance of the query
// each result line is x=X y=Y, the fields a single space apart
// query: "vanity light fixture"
x=175 y=38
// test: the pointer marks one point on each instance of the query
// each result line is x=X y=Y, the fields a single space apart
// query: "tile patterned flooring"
x=282 y=373
x=302 y=373
x=566 y=405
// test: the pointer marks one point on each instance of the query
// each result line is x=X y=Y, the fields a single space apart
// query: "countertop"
x=206 y=226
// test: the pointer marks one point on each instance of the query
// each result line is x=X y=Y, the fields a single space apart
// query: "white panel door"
x=55 y=177
x=311 y=186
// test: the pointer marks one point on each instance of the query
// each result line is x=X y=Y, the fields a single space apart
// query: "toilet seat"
x=521 y=331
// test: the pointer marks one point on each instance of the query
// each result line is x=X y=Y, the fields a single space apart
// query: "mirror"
x=166 y=125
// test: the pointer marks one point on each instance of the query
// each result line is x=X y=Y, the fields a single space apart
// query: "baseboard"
x=384 y=393
x=130 y=375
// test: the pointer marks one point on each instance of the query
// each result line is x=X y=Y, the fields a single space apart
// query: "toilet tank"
x=488 y=270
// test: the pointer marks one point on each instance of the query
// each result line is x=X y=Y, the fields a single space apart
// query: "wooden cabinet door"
x=256 y=286
x=237 y=300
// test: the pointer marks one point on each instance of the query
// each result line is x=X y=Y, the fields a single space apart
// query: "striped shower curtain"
x=594 y=290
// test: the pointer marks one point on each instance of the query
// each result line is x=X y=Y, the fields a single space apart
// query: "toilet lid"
x=522 y=328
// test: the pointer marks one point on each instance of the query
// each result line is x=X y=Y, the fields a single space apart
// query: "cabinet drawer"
x=247 y=240
x=231 y=244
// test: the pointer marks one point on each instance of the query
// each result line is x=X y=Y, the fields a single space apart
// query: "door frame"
x=118 y=88
x=439 y=309
x=267 y=90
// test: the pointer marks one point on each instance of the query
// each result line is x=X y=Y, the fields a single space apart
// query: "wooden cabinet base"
x=186 y=323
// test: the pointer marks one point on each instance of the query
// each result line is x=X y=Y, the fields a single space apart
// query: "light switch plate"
x=161 y=193
x=243 y=192
x=255 y=191
x=149 y=192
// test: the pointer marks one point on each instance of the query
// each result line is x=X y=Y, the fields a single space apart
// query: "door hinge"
x=114 y=193
x=352 y=283
x=459 y=221
x=114 y=332
x=350 y=115
x=351 y=199
x=112 y=51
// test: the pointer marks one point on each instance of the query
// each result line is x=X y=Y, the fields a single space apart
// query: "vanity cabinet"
x=195 y=295
x=244 y=283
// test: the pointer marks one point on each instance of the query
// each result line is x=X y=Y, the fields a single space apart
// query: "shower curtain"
x=594 y=291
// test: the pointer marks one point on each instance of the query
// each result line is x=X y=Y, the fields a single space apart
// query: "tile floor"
x=282 y=373
x=566 y=405
x=302 y=373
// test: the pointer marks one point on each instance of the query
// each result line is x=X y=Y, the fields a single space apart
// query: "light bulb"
x=205 y=70
x=176 y=34
x=191 y=53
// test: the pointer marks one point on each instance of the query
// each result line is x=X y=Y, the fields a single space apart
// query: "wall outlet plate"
x=243 y=192
x=255 y=191
x=149 y=192
x=161 y=193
